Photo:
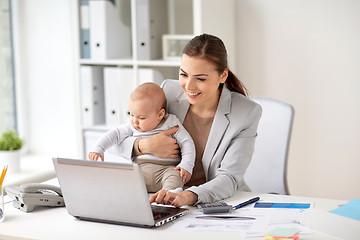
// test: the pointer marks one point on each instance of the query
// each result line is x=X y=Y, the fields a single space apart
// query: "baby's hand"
x=95 y=156
x=185 y=175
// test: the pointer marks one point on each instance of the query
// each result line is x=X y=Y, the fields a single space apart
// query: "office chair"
x=267 y=170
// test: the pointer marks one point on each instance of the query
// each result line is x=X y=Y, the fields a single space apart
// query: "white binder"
x=152 y=24
x=92 y=95
x=150 y=75
x=118 y=87
x=110 y=34
x=118 y=84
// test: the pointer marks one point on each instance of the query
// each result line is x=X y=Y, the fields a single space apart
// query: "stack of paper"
x=248 y=222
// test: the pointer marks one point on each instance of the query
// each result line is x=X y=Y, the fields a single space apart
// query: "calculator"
x=216 y=207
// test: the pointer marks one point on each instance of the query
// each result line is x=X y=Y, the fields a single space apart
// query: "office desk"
x=56 y=223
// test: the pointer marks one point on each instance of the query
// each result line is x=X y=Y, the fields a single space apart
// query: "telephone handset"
x=28 y=196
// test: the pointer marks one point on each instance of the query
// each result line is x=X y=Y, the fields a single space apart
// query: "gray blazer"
x=230 y=144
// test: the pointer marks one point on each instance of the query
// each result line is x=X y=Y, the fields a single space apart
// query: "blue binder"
x=84 y=29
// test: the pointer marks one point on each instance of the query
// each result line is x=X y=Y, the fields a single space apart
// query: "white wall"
x=307 y=53
x=44 y=65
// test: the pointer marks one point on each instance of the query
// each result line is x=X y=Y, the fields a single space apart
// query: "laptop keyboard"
x=159 y=214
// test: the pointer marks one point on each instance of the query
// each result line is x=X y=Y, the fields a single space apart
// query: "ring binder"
x=110 y=34
x=92 y=86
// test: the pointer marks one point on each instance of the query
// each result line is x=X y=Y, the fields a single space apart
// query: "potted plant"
x=10 y=145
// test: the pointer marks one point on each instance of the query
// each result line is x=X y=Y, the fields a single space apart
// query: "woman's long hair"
x=212 y=49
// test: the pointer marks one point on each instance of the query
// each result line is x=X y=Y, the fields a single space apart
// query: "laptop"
x=110 y=192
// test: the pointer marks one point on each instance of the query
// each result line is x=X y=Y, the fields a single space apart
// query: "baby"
x=147 y=107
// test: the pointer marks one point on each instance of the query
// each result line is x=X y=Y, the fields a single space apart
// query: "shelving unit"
x=183 y=17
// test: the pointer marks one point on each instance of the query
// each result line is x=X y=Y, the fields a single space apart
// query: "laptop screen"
x=109 y=192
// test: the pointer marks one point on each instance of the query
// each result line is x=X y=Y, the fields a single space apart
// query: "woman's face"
x=200 y=81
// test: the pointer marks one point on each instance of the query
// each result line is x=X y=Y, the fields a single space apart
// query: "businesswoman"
x=212 y=104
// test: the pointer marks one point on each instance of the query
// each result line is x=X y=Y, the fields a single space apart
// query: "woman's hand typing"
x=175 y=199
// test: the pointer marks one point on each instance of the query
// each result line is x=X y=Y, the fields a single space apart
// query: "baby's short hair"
x=152 y=91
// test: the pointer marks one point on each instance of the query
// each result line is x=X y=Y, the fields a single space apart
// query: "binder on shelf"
x=110 y=33
x=84 y=29
x=150 y=75
x=118 y=84
x=152 y=23
x=92 y=95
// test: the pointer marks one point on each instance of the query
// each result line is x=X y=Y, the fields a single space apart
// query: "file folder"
x=152 y=24
x=119 y=84
x=110 y=33
x=150 y=75
x=84 y=29
x=332 y=224
x=92 y=95
x=282 y=205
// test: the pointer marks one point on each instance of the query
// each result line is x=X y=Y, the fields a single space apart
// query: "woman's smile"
x=192 y=94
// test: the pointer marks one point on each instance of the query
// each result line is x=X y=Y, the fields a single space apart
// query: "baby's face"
x=143 y=116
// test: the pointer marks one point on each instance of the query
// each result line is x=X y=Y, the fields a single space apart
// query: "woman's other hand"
x=175 y=199
x=161 y=144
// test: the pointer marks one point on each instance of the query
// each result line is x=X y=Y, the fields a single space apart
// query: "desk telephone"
x=28 y=196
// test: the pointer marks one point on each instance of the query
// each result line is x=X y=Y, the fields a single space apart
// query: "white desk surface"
x=56 y=223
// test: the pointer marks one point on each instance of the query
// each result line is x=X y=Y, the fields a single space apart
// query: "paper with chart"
x=264 y=220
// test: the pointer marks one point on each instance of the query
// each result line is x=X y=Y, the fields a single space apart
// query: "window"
x=7 y=93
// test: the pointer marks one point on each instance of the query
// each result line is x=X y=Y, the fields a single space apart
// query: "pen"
x=246 y=203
